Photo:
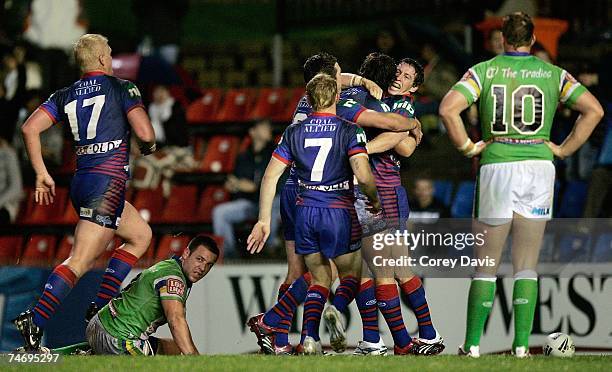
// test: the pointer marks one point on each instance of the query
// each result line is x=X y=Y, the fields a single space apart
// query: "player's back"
x=519 y=94
x=320 y=147
x=96 y=108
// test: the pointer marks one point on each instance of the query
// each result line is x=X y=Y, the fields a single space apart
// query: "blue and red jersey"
x=348 y=110
x=96 y=108
x=319 y=147
x=385 y=165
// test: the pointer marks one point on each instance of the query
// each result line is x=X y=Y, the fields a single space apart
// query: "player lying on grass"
x=156 y=296
x=519 y=94
x=324 y=149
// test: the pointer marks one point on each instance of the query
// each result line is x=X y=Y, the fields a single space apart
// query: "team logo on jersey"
x=85 y=212
x=175 y=286
x=361 y=136
x=133 y=90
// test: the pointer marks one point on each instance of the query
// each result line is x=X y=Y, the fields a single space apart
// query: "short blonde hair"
x=321 y=91
x=87 y=50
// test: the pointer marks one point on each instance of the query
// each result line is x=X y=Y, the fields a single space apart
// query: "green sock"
x=524 y=296
x=480 y=302
x=70 y=349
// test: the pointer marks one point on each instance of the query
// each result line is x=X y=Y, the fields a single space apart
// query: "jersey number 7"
x=324 y=145
x=71 y=111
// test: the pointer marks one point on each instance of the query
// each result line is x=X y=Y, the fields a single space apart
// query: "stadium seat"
x=464 y=199
x=573 y=199
x=443 y=191
x=147 y=259
x=270 y=102
x=603 y=248
x=10 y=249
x=63 y=249
x=170 y=245
x=573 y=248
x=204 y=110
x=36 y=214
x=287 y=114
x=102 y=261
x=149 y=204
x=236 y=105
x=69 y=217
x=39 y=250
x=211 y=196
x=181 y=204
x=220 y=154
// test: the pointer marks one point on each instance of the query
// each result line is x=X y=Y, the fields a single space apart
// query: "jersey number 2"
x=71 y=111
x=324 y=145
x=524 y=96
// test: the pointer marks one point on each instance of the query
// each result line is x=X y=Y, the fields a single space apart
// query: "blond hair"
x=322 y=91
x=88 y=49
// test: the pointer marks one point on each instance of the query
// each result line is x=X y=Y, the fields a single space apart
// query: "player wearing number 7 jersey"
x=518 y=95
x=102 y=111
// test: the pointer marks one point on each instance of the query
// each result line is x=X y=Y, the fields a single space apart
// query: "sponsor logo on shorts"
x=85 y=212
x=540 y=211
x=105 y=220
x=175 y=286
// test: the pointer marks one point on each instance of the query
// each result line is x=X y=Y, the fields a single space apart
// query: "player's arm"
x=141 y=125
x=386 y=120
x=365 y=178
x=37 y=123
x=385 y=141
x=591 y=113
x=349 y=80
x=175 y=315
x=406 y=147
x=450 y=110
x=261 y=230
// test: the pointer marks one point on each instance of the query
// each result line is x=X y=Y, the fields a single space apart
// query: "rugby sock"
x=280 y=315
x=59 y=284
x=415 y=293
x=366 y=302
x=119 y=266
x=345 y=293
x=282 y=289
x=313 y=307
x=282 y=338
x=480 y=302
x=524 y=297
x=388 y=300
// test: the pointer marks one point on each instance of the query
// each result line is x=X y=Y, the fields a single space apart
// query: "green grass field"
x=329 y=363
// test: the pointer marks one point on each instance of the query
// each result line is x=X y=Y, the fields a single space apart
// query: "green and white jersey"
x=137 y=311
x=519 y=94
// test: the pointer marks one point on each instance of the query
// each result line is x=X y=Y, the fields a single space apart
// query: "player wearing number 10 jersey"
x=518 y=95
x=102 y=111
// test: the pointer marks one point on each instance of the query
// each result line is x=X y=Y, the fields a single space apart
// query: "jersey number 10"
x=522 y=97
x=71 y=111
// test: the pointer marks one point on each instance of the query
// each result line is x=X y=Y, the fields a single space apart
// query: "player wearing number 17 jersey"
x=518 y=95
x=101 y=111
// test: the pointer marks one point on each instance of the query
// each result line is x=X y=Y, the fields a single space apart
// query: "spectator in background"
x=168 y=119
x=600 y=186
x=10 y=183
x=244 y=186
x=54 y=26
x=424 y=208
x=494 y=45
x=440 y=74
x=12 y=89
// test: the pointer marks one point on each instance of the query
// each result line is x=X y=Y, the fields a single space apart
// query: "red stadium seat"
x=171 y=245
x=69 y=217
x=204 y=110
x=211 y=196
x=147 y=259
x=236 y=106
x=220 y=154
x=39 y=250
x=63 y=249
x=149 y=204
x=269 y=103
x=10 y=249
x=180 y=206
x=36 y=214
x=287 y=114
